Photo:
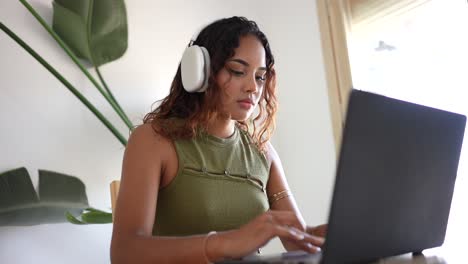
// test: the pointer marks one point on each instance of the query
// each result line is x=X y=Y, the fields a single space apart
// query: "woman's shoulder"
x=146 y=130
x=147 y=135
x=270 y=153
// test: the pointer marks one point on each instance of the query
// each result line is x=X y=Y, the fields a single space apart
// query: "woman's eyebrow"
x=243 y=62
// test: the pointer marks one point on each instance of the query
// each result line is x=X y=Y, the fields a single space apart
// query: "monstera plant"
x=91 y=32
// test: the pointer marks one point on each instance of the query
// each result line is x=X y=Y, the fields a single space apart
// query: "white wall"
x=44 y=126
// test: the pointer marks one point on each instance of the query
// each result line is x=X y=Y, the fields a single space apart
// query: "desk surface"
x=298 y=257
x=409 y=259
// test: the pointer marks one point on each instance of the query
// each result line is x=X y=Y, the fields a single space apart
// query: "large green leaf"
x=96 y=30
x=58 y=194
x=90 y=216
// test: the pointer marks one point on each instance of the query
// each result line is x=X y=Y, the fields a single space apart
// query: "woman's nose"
x=251 y=86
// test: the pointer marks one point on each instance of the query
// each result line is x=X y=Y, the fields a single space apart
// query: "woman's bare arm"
x=277 y=182
x=132 y=241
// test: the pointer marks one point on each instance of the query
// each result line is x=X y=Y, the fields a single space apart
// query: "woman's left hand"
x=316 y=231
x=320 y=230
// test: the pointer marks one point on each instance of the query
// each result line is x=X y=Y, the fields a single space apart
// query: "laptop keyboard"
x=292 y=257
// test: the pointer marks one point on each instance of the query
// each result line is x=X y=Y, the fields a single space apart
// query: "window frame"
x=334 y=21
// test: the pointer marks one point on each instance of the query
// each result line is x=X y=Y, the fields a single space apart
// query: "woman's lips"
x=246 y=104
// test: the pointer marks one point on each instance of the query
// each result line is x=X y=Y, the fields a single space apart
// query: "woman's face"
x=242 y=79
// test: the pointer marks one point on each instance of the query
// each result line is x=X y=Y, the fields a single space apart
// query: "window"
x=420 y=55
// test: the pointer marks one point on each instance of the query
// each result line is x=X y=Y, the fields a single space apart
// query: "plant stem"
x=111 y=95
x=65 y=82
x=78 y=63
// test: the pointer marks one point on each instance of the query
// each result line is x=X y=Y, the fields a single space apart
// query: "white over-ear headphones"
x=195 y=68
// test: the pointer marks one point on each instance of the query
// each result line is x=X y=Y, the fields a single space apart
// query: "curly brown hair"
x=220 y=38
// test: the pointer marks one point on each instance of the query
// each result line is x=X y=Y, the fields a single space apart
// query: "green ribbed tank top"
x=220 y=185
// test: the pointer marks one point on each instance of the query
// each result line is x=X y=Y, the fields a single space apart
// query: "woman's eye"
x=260 y=78
x=237 y=73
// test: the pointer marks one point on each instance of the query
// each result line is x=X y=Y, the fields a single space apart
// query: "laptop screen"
x=395 y=179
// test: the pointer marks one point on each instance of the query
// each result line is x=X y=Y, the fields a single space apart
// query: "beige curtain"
x=363 y=12
x=337 y=18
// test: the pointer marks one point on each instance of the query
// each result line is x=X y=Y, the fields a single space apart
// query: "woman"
x=200 y=180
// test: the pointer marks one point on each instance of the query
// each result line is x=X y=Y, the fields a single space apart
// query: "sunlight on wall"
x=421 y=57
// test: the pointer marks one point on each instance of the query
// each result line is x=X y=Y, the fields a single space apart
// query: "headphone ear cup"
x=195 y=66
x=207 y=60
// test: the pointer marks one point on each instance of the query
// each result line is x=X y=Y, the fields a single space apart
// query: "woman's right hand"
x=255 y=234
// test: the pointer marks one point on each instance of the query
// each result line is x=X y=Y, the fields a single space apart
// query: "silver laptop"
x=394 y=182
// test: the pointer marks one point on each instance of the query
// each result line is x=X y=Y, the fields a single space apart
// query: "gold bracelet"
x=205 y=240
x=278 y=196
